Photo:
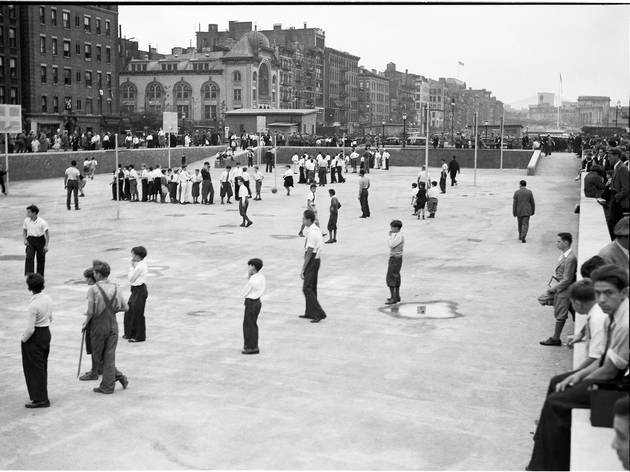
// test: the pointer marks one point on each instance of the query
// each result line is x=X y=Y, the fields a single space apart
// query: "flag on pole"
x=460 y=63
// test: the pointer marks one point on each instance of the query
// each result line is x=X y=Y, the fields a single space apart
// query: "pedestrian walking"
x=258 y=178
x=310 y=268
x=453 y=170
x=104 y=301
x=88 y=274
x=134 y=321
x=396 y=243
x=253 y=291
x=523 y=207
x=443 y=175
x=421 y=199
x=36 y=343
x=71 y=184
x=243 y=204
x=288 y=179
x=36 y=238
x=332 y=219
x=364 y=185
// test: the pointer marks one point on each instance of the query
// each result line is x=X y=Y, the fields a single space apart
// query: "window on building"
x=99 y=79
x=108 y=28
x=87 y=48
x=87 y=24
x=182 y=91
x=1 y=67
x=55 y=75
x=108 y=54
x=42 y=44
x=99 y=106
x=98 y=53
x=77 y=48
x=236 y=76
x=154 y=91
x=255 y=76
x=237 y=95
x=78 y=104
x=42 y=15
x=88 y=78
x=210 y=92
x=67 y=76
x=53 y=46
x=182 y=111
x=67 y=103
x=109 y=80
x=66 y=48
x=254 y=95
x=65 y=19
x=97 y=25
x=53 y=16
x=55 y=104
x=210 y=112
x=109 y=107
x=128 y=91
x=88 y=106
x=44 y=103
x=43 y=73
x=2 y=100
x=11 y=11
x=12 y=41
x=77 y=21
x=12 y=68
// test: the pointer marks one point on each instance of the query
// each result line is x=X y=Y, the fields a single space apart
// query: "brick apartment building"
x=10 y=55
x=373 y=98
x=341 y=91
x=70 y=66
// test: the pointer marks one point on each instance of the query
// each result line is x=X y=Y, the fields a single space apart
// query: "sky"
x=514 y=51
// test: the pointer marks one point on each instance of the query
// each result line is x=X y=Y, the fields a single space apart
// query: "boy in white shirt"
x=258 y=178
x=253 y=291
x=432 y=199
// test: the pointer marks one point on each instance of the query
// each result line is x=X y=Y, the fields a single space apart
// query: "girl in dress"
x=288 y=179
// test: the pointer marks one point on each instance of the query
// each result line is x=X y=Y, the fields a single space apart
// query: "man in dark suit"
x=563 y=277
x=522 y=208
x=593 y=182
x=619 y=191
x=453 y=169
x=616 y=252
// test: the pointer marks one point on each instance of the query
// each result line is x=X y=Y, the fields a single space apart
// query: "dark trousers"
x=365 y=208
x=249 y=191
x=207 y=192
x=269 y=166
x=333 y=175
x=127 y=190
x=35 y=247
x=393 y=271
x=443 y=183
x=386 y=164
x=104 y=337
x=340 y=175
x=250 y=328
x=72 y=187
x=523 y=226
x=309 y=288
x=4 y=190
x=302 y=179
x=453 y=179
x=145 y=186
x=552 y=441
x=134 y=324
x=35 y=364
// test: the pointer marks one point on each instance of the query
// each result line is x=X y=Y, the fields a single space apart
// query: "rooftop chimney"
x=277 y=26
x=305 y=25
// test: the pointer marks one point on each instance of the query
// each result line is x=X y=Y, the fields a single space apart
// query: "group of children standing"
x=421 y=197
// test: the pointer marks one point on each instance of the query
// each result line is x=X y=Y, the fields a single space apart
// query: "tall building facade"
x=402 y=94
x=202 y=86
x=341 y=97
x=373 y=98
x=10 y=55
x=593 y=110
x=70 y=66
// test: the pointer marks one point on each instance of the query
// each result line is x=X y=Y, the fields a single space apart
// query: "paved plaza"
x=367 y=388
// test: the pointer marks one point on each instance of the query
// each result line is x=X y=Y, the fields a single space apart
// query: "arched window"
x=154 y=91
x=273 y=81
x=210 y=91
x=255 y=76
x=263 y=80
x=182 y=91
x=236 y=76
x=128 y=91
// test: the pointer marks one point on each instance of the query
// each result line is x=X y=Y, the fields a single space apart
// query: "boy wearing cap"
x=396 y=242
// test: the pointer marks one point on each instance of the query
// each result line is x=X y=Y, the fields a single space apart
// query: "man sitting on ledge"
x=552 y=441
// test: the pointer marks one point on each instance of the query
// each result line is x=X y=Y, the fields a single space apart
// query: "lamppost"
x=404 y=117
x=486 y=123
x=383 y=134
x=617 y=111
x=452 y=119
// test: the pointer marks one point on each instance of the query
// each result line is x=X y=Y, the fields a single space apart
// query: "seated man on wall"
x=616 y=252
x=552 y=440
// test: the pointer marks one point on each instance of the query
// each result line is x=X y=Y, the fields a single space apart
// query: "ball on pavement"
x=274 y=190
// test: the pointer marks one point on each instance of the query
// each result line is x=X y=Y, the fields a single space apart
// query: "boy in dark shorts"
x=396 y=242
x=332 y=219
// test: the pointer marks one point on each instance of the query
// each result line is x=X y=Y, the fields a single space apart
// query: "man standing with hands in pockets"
x=310 y=269
x=36 y=237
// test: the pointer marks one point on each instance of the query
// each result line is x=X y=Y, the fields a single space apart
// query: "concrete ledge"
x=533 y=163
x=590 y=446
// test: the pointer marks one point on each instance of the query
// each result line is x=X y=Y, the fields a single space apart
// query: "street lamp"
x=452 y=119
x=404 y=117
x=383 y=134
x=486 y=123
x=617 y=111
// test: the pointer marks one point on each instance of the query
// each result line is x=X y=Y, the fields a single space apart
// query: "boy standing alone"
x=252 y=291
x=332 y=219
x=396 y=243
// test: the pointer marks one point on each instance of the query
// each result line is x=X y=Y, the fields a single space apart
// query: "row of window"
x=12 y=67
x=65 y=21
x=67 y=49
x=12 y=99
x=10 y=11
x=67 y=105
x=67 y=76
x=12 y=35
x=183 y=111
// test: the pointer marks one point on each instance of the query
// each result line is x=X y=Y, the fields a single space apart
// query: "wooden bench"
x=590 y=446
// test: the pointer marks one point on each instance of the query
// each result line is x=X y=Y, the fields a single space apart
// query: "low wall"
x=43 y=165
x=414 y=157
x=533 y=163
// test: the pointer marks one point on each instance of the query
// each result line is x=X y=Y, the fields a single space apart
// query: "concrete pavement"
x=363 y=389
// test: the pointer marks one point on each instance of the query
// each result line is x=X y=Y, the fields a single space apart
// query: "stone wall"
x=414 y=157
x=43 y=165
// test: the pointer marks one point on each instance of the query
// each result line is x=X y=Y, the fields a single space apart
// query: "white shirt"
x=314 y=239
x=35 y=228
x=72 y=173
x=385 y=155
x=258 y=176
x=225 y=177
x=444 y=167
x=596 y=328
x=288 y=173
x=310 y=199
x=255 y=286
x=433 y=192
x=133 y=174
x=295 y=158
x=564 y=254
x=144 y=174
x=396 y=242
x=138 y=274
x=245 y=176
x=310 y=165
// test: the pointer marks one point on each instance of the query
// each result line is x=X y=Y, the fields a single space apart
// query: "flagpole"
x=475 y=172
x=426 y=152
x=502 y=125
